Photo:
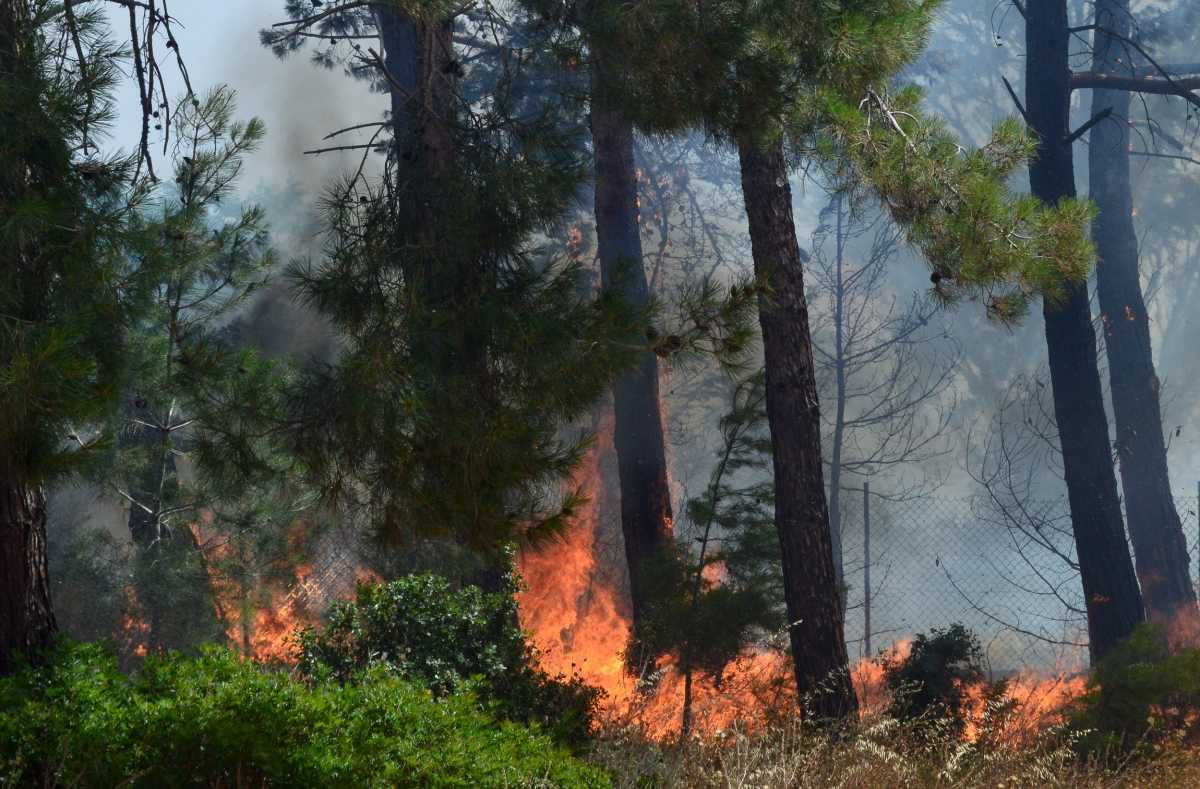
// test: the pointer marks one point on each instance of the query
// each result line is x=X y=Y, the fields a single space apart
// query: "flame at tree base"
x=575 y=615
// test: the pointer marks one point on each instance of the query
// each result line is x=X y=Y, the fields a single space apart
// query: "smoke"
x=300 y=102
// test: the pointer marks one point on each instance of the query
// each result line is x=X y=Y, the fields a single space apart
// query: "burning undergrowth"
x=576 y=609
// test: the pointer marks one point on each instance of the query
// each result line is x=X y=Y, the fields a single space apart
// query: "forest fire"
x=262 y=625
x=577 y=618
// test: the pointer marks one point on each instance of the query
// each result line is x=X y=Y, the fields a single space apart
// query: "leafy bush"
x=929 y=681
x=1141 y=692
x=218 y=721
x=422 y=629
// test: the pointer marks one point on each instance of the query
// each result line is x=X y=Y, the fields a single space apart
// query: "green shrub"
x=929 y=681
x=1140 y=693
x=216 y=720
x=424 y=630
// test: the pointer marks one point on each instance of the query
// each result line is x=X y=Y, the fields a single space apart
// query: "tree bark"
x=646 y=520
x=1160 y=548
x=814 y=604
x=417 y=56
x=1114 y=604
x=27 y=623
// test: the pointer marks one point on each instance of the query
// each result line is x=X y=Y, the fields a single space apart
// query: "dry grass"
x=887 y=753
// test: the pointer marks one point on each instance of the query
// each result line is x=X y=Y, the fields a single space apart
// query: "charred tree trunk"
x=638 y=429
x=27 y=623
x=1160 y=548
x=814 y=604
x=1114 y=604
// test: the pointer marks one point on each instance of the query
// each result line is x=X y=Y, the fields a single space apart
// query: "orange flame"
x=576 y=617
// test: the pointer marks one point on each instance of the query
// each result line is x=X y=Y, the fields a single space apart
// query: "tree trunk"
x=26 y=619
x=1114 y=604
x=417 y=57
x=801 y=516
x=1160 y=548
x=638 y=429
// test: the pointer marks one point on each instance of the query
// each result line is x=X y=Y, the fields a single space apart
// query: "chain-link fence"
x=1007 y=572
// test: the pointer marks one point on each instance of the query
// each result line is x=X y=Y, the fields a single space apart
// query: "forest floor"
x=887 y=753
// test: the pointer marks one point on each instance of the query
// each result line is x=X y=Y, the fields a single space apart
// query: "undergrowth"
x=218 y=721
x=884 y=753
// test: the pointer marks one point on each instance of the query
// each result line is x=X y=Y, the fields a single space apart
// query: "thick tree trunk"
x=1114 y=604
x=814 y=605
x=26 y=619
x=638 y=429
x=1160 y=548
x=417 y=56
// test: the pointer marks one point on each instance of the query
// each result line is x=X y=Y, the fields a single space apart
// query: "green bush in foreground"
x=216 y=720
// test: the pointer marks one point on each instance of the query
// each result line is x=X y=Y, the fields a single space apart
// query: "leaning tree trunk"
x=1114 y=604
x=26 y=619
x=638 y=428
x=1159 y=546
x=814 y=605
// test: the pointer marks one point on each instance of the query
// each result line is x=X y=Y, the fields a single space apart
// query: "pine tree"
x=469 y=346
x=1111 y=594
x=60 y=308
x=646 y=515
x=194 y=463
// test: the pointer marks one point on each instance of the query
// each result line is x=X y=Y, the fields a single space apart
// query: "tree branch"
x=1099 y=116
x=1182 y=86
x=1013 y=94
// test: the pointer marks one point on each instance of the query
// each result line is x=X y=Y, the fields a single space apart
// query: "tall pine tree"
x=60 y=309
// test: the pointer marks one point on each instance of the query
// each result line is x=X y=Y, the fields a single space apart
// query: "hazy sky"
x=299 y=102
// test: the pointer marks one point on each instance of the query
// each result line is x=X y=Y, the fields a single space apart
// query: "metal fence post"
x=867 y=567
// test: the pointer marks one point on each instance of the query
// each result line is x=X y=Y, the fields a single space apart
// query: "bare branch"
x=1099 y=116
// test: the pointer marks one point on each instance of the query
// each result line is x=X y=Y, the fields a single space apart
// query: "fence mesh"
x=1006 y=575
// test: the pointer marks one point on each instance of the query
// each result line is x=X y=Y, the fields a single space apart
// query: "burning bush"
x=422 y=629
x=1142 y=693
x=931 y=680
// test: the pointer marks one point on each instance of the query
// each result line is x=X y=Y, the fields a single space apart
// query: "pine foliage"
x=61 y=212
